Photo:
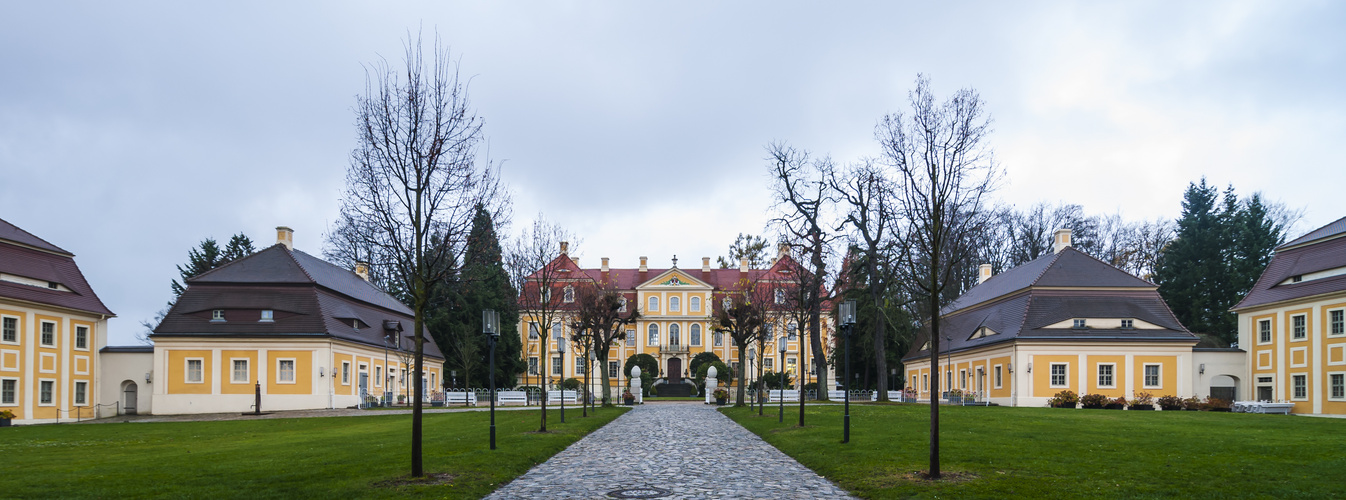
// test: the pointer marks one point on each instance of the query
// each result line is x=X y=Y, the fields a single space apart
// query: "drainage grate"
x=645 y=492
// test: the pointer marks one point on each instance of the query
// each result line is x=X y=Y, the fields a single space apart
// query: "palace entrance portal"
x=674 y=371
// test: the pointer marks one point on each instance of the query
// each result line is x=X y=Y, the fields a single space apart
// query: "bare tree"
x=743 y=321
x=601 y=314
x=802 y=201
x=413 y=182
x=944 y=168
x=539 y=274
x=866 y=195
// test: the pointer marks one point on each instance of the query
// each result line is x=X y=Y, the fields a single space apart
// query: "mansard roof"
x=26 y=257
x=1323 y=249
x=311 y=298
x=1026 y=302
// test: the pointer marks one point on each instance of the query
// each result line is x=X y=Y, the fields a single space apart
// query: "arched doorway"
x=1224 y=387
x=674 y=371
x=129 y=397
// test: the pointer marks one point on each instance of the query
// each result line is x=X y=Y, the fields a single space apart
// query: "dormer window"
x=982 y=333
x=780 y=296
x=1128 y=324
x=53 y=285
x=217 y=316
x=355 y=323
x=268 y=316
x=568 y=294
x=621 y=301
x=727 y=303
x=1293 y=279
x=1079 y=323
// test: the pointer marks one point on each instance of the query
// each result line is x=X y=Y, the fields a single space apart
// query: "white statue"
x=635 y=384
x=711 y=382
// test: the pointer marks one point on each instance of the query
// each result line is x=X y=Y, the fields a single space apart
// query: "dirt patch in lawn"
x=427 y=480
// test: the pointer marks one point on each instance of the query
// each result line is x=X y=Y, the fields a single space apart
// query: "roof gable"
x=1334 y=228
x=1319 y=254
x=13 y=233
x=674 y=278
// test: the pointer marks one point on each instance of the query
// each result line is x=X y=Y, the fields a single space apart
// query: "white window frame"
x=533 y=365
x=727 y=303
x=694 y=335
x=674 y=334
x=652 y=334
x=717 y=339
x=768 y=364
x=50 y=385
x=533 y=331
x=268 y=316
x=654 y=304
x=568 y=294
x=1331 y=384
x=345 y=373
x=1295 y=379
x=694 y=304
x=280 y=372
x=17 y=334
x=558 y=331
x=187 y=371
x=630 y=337
x=622 y=302
x=233 y=370
x=378 y=375
x=556 y=366
x=81 y=395
x=999 y=381
x=217 y=316
x=1336 y=327
x=1264 y=331
x=578 y=366
x=614 y=368
x=14 y=393
x=925 y=382
x=792 y=332
x=55 y=334
x=1079 y=323
x=1158 y=376
x=780 y=296
x=1299 y=332
x=86 y=337
x=1112 y=375
x=1051 y=375
x=674 y=304
x=1128 y=324
x=962 y=378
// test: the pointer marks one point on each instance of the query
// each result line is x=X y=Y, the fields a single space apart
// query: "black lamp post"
x=587 y=366
x=490 y=325
x=781 y=419
x=561 y=348
x=847 y=324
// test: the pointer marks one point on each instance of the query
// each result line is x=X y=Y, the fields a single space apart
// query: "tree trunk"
x=542 y=380
x=934 y=389
x=607 y=383
x=880 y=326
x=819 y=356
x=416 y=468
x=742 y=362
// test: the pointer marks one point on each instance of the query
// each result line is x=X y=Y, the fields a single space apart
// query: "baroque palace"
x=677 y=308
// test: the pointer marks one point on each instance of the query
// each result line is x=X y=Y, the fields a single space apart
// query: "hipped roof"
x=1320 y=250
x=23 y=254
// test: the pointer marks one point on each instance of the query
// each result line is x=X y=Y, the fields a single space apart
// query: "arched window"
x=780 y=295
x=622 y=301
x=674 y=304
x=694 y=304
x=674 y=334
x=696 y=333
x=654 y=303
x=654 y=334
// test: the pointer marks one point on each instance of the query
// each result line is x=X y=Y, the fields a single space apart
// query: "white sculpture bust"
x=711 y=383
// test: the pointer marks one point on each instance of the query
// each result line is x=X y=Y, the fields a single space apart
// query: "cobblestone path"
x=670 y=450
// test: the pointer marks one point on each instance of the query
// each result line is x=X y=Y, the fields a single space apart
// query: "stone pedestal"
x=635 y=385
x=711 y=383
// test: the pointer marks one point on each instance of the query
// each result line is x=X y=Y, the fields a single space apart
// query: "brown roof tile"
x=47 y=264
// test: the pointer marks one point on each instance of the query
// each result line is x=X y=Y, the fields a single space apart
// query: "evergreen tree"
x=239 y=246
x=207 y=256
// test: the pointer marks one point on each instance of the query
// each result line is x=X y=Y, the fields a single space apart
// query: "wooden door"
x=674 y=371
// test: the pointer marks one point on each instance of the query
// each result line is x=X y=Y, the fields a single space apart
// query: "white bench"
x=1262 y=407
x=788 y=396
x=460 y=398
x=572 y=397
x=515 y=397
x=836 y=395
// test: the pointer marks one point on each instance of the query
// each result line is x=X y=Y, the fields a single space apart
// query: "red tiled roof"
x=50 y=264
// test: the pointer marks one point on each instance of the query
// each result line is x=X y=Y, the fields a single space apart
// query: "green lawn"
x=1044 y=452
x=333 y=457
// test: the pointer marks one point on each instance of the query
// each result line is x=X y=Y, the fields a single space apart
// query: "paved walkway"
x=670 y=450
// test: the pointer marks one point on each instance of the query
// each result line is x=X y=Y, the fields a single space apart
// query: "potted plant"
x=721 y=396
x=1116 y=404
x=1142 y=401
x=1170 y=403
x=1064 y=399
x=5 y=417
x=1215 y=404
x=436 y=398
x=1191 y=404
x=1094 y=401
x=954 y=396
x=909 y=395
x=401 y=398
x=628 y=398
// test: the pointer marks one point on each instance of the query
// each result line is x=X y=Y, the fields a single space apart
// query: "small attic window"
x=925 y=347
x=268 y=316
x=1079 y=323
x=217 y=316
x=1128 y=324
x=53 y=285
x=355 y=323
x=983 y=332
x=1293 y=279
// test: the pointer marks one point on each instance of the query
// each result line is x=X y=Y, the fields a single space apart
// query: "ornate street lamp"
x=847 y=325
x=490 y=325
x=561 y=348
x=781 y=419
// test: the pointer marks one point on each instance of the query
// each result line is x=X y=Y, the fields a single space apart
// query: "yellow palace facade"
x=677 y=308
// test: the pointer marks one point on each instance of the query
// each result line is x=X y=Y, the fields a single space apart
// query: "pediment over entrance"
x=674 y=278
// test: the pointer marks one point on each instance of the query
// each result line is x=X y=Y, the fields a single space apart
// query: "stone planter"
x=908 y=400
x=1063 y=405
x=436 y=403
x=1142 y=407
x=1113 y=407
x=1171 y=408
x=721 y=401
x=5 y=422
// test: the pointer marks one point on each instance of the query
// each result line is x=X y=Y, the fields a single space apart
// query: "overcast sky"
x=131 y=131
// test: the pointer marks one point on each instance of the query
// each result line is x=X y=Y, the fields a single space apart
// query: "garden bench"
x=460 y=398
x=517 y=397
x=572 y=397
x=836 y=395
x=790 y=396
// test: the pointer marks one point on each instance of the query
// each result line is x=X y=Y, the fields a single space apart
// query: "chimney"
x=983 y=273
x=285 y=236
x=362 y=270
x=742 y=265
x=1060 y=240
x=643 y=266
x=605 y=265
x=565 y=247
x=705 y=264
